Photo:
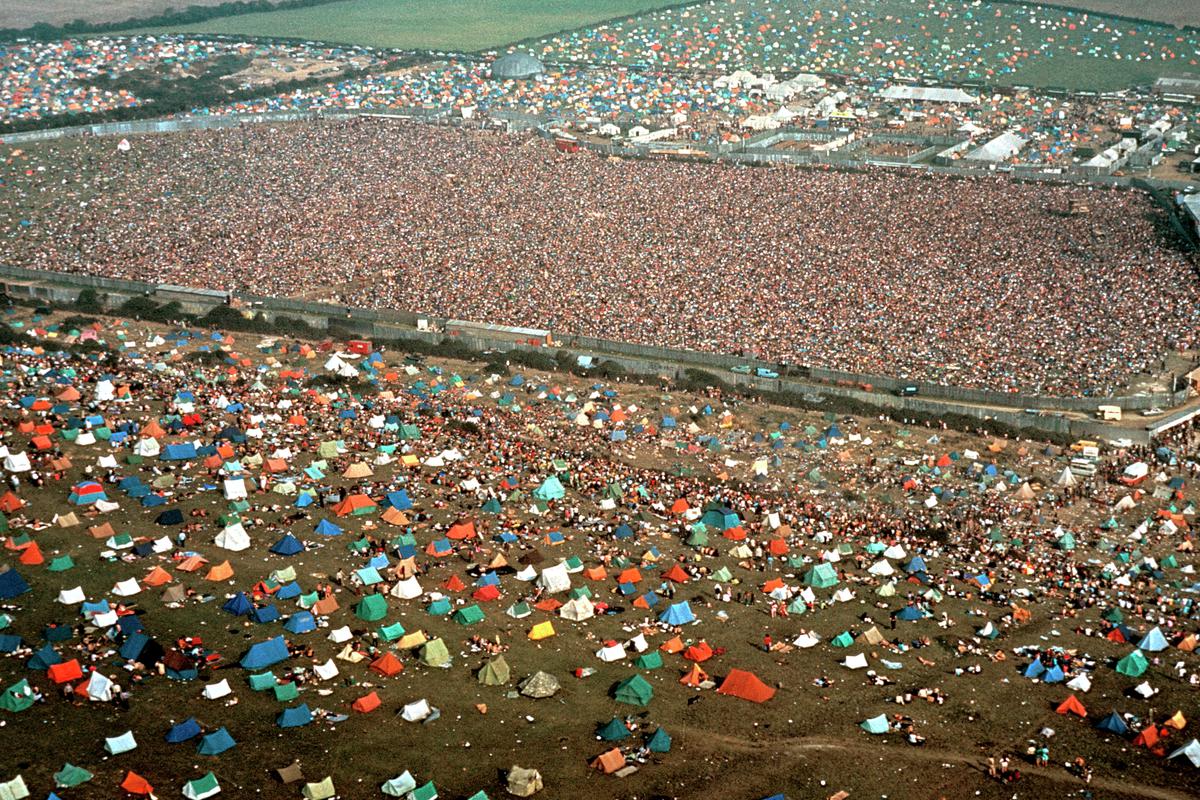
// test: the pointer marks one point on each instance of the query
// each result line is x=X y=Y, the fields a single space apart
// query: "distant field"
x=23 y=13
x=425 y=24
x=1172 y=12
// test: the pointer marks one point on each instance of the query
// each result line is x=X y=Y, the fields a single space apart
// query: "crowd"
x=981 y=283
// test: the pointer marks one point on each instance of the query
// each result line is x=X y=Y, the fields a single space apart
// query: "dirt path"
x=800 y=745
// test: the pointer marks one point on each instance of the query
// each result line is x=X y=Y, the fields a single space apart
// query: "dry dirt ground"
x=805 y=741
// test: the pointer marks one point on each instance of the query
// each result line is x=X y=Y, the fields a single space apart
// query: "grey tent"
x=539 y=684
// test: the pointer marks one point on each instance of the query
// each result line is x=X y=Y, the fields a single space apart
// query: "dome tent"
x=516 y=66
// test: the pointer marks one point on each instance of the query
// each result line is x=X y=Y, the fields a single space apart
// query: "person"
x=767 y=643
x=991 y=762
x=1042 y=756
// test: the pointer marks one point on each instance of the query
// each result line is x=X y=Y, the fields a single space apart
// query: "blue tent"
x=1053 y=675
x=188 y=729
x=172 y=516
x=178 y=452
x=289 y=591
x=216 y=743
x=551 y=489
x=327 y=528
x=131 y=648
x=9 y=643
x=1113 y=723
x=43 y=658
x=238 y=605
x=677 y=614
x=910 y=614
x=399 y=500
x=294 y=717
x=12 y=584
x=300 y=622
x=623 y=531
x=721 y=519
x=287 y=546
x=265 y=614
x=1153 y=641
x=264 y=654
x=916 y=564
x=1035 y=669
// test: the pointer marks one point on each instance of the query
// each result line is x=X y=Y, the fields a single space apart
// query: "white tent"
x=85 y=438
x=105 y=620
x=611 y=652
x=115 y=745
x=215 y=691
x=1145 y=690
x=147 y=448
x=1190 y=751
x=339 y=367
x=99 y=688
x=578 y=609
x=70 y=597
x=855 y=662
x=1065 y=478
x=407 y=589
x=895 y=551
x=416 y=711
x=341 y=635
x=163 y=545
x=235 y=489
x=638 y=643
x=400 y=785
x=126 y=588
x=1125 y=503
x=326 y=671
x=105 y=390
x=1080 y=683
x=234 y=537
x=882 y=568
x=527 y=574
x=555 y=579
x=843 y=595
x=806 y=640
x=17 y=462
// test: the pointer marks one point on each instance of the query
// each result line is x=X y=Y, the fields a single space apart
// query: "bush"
x=140 y=308
x=612 y=371
x=90 y=301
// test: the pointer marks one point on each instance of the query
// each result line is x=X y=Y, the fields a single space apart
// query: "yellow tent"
x=543 y=630
x=358 y=470
x=411 y=640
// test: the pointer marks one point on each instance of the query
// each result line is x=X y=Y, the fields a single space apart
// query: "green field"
x=419 y=24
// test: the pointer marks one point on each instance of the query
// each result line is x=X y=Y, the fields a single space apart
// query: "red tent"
x=366 y=703
x=65 y=672
x=486 y=593
x=746 y=685
x=676 y=574
x=1072 y=706
x=461 y=530
x=136 y=784
x=387 y=665
x=698 y=652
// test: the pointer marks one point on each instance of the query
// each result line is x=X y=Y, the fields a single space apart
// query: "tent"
x=1153 y=641
x=610 y=761
x=115 y=745
x=678 y=614
x=294 y=717
x=634 y=690
x=659 y=742
x=821 y=576
x=876 y=724
x=613 y=731
x=1190 y=751
x=1133 y=665
x=1071 y=706
x=746 y=685
x=201 y=788
x=435 y=654
x=539 y=685
x=183 y=731
x=215 y=743
x=264 y=654
x=494 y=672
x=70 y=776
x=399 y=786
x=322 y=790
x=1113 y=723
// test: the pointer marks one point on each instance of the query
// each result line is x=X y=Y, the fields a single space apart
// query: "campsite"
x=474 y=572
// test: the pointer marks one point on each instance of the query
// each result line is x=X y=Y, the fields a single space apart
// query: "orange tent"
x=694 y=677
x=595 y=573
x=1148 y=737
x=65 y=672
x=674 y=645
x=387 y=665
x=41 y=442
x=736 y=534
x=275 y=465
x=630 y=575
x=394 y=517
x=680 y=506
x=136 y=784
x=191 y=563
x=31 y=554
x=699 y=652
x=1071 y=706
x=454 y=584
x=10 y=502
x=102 y=531
x=461 y=530
x=354 y=504
x=152 y=430
x=366 y=703
x=225 y=451
x=220 y=572
x=69 y=394
x=548 y=605
x=746 y=685
x=157 y=577
x=1188 y=643
x=778 y=547
x=772 y=585
x=676 y=574
x=609 y=762
x=1176 y=721
x=325 y=606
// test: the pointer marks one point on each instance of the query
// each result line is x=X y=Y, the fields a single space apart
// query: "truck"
x=1109 y=413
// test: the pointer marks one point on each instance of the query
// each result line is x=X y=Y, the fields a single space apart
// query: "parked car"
x=741 y=369
x=762 y=372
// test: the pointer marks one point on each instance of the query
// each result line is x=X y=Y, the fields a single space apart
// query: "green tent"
x=660 y=742
x=262 y=681
x=61 y=564
x=722 y=575
x=613 y=731
x=1066 y=542
x=410 y=432
x=875 y=724
x=580 y=591
x=698 y=536
x=551 y=489
x=492 y=506
x=797 y=606
x=390 y=633
x=371 y=608
x=202 y=787
x=17 y=697
x=1133 y=665
x=468 y=615
x=494 y=672
x=843 y=639
x=425 y=792
x=634 y=690
x=434 y=653
x=285 y=692
x=821 y=576
x=650 y=660
x=1114 y=615
x=71 y=775
x=322 y=790
x=519 y=610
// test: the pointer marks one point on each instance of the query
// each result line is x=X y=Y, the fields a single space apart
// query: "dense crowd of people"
x=974 y=282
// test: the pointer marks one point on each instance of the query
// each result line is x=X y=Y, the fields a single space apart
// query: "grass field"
x=420 y=24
